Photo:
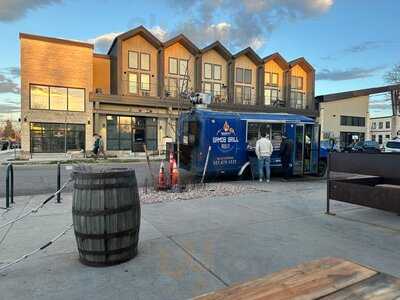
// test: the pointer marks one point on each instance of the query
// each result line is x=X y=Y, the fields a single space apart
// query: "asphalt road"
x=42 y=179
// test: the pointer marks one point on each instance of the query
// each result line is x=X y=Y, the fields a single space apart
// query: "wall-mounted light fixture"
x=88 y=122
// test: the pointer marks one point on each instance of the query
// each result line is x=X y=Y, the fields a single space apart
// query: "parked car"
x=393 y=146
x=366 y=147
x=325 y=147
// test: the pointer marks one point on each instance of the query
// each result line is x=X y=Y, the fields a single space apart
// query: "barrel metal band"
x=107 y=252
x=107 y=186
x=104 y=212
x=92 y=236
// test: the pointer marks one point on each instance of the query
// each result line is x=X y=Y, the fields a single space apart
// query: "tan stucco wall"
x=213 y=57
x=101 y=74
x=139 y=44
x=330 y=113
x=177 y=50
x=56 y=64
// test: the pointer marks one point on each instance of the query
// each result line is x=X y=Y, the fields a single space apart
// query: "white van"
x=393 y=146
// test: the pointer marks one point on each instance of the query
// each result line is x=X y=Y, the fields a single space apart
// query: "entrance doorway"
x=298 y=150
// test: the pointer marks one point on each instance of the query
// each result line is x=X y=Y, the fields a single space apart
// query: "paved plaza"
x=191 y=247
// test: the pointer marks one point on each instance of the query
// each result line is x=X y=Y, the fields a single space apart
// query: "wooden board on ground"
x=311 y=280
x=379 y=287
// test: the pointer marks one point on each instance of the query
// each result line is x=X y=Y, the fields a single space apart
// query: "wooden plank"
x=379 y=287
x=307 y=281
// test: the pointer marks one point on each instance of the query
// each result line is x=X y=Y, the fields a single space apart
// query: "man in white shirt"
x=263 y=151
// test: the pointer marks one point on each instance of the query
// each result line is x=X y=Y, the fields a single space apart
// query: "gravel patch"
x=198 y=191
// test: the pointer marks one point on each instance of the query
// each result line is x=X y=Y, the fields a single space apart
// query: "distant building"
x=345 y=116
x=383 y=129
x=130 y=96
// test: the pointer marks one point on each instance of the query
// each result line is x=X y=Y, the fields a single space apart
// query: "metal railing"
x=10 y=185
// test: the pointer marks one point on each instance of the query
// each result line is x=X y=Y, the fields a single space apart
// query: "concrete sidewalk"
x=14 y=156
x=191 y=247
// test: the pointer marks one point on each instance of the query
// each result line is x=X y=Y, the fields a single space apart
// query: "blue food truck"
x=230 y=139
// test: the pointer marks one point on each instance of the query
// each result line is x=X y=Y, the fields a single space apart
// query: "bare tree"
x=393 y=76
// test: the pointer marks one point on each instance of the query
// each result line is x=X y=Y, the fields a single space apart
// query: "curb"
x=77 y=161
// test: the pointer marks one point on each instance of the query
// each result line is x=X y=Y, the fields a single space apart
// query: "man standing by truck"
x=286 y=153
x=263 y=152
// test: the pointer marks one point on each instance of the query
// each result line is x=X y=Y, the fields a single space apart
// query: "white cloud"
x=348 y=74
x=11 y=10
x=240 y=23
x=103 y=42
x=159 y=32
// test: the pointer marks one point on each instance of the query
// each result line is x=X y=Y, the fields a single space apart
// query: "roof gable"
x=217 y=46
x=185 y=42
x=302 y=62
x=278 y=59
x=141 y=30
x=250 y=53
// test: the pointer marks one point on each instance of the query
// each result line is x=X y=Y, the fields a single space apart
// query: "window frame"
x=58 y=87
x=211 y=71
x=137 y=83
x=251 y=76
x=169 y=65
x=187 y=67
x=386 y=125
x=141 y=82
x=270 y=76
x=237 y=77
x=48 y=98
x=354 y=121
x=137 y=59
x=140 y=63
x=220 y=72
x=297 y=79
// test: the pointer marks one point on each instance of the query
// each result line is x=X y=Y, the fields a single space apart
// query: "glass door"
x=299 y=150
x=311 y=148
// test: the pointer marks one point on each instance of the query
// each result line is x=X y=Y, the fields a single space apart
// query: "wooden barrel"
x=106 y=216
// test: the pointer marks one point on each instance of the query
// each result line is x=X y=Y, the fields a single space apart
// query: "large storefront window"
x=131 y=133
x=57 y=98
x=57 y=137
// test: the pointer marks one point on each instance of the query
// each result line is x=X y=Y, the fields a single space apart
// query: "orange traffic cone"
x=175 y=174
x=161 y=177
x=171 y=165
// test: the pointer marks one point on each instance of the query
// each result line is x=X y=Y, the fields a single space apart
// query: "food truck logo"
x=225 y=138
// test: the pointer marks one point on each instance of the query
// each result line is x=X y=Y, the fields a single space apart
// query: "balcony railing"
x=153 y=90
x=220 y=97
x=246 y=98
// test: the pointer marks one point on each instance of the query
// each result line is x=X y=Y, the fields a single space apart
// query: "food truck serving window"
x=274 y=131
x=190 y=132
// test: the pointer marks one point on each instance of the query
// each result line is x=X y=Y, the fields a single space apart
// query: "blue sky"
x=351 y=43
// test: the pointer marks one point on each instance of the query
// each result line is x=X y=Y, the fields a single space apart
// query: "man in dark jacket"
x=286 y=156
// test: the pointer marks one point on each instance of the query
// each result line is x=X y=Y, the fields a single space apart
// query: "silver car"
x=393 y=146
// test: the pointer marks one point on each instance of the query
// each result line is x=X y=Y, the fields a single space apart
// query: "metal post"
x=7 y=187
x=328 y=183
x=206 y=165
x=58 y=182
x=11 y=183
